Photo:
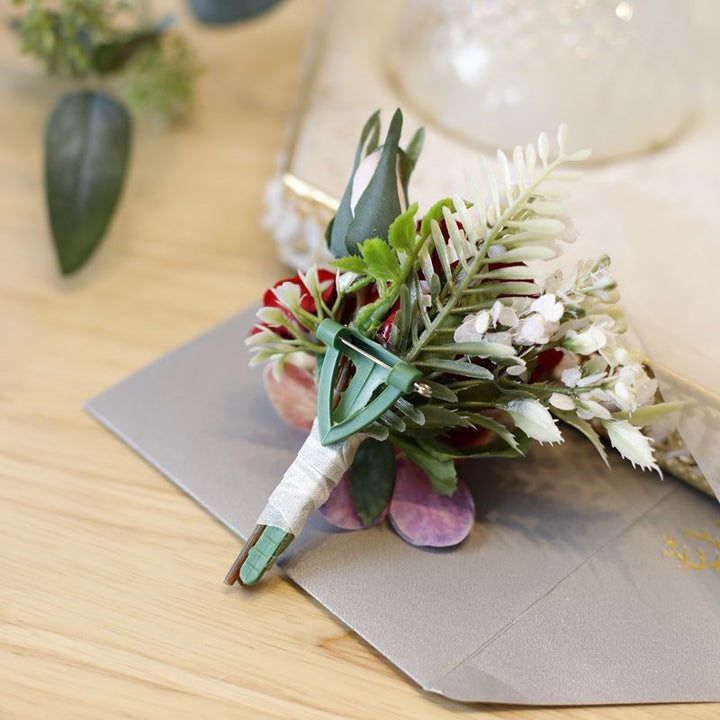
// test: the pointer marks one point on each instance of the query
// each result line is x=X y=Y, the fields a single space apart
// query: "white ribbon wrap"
x=308 y=482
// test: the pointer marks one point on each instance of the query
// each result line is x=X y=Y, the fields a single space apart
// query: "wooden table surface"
x=111 y=601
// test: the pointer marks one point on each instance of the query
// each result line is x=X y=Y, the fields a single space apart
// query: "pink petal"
x=294 y=395
x=423 y=517
x=339 y=510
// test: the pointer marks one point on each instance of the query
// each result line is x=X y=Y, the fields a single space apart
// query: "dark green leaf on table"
x=87 y=145
x=372 y=478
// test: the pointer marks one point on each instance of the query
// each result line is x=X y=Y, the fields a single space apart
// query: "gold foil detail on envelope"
x=702 y=559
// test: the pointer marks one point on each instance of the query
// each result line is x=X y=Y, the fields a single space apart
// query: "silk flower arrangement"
x=507 y=351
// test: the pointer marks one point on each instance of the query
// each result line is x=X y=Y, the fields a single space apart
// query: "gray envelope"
x=563 y=594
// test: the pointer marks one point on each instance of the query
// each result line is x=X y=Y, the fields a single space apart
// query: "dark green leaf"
x=372 y=478
x=87 y=145
x=338 y=227
x=381 y=260
x=409 y=157
x=414 y=148
x=379 y=203
x=401 y=234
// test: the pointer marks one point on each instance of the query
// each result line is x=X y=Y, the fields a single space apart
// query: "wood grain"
x=111 y=601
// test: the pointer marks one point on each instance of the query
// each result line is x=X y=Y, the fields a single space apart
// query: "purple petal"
x=339 y=510
x=423 y=517
x=294 y=395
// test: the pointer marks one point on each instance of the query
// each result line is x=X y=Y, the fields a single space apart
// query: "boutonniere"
x=438 y=337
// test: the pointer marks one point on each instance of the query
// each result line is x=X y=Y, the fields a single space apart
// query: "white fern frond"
x=543 y=149
x=471 y=228
x=509 y=186
x=547 y=207
x=530 y=160
x=579 y=156
x=561 y=138
x=441 y=249
x=426 y=261
x=520 y=168
x=520 y=222
x=491 y=184
x=458 y=239
x=478 y=205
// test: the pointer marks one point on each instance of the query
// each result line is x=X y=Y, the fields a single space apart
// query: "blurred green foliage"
x=151 y=67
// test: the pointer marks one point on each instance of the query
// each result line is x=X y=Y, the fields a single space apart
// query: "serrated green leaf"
x=503 y=432
x=435 y=213
x=372 y=479
x=401 y=235
x=495 y=448
x=437 y=416
x=440 y=392
x=351 y=263
x=87 y=145
x=393 y=421
x=411 y=412
x=380 y=259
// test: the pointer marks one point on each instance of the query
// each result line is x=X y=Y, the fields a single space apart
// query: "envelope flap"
x=619 y=626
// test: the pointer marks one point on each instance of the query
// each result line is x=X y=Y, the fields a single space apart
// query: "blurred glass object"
x=620 y=72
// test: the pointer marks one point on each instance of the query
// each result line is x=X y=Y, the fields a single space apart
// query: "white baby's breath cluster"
x=600 y=377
